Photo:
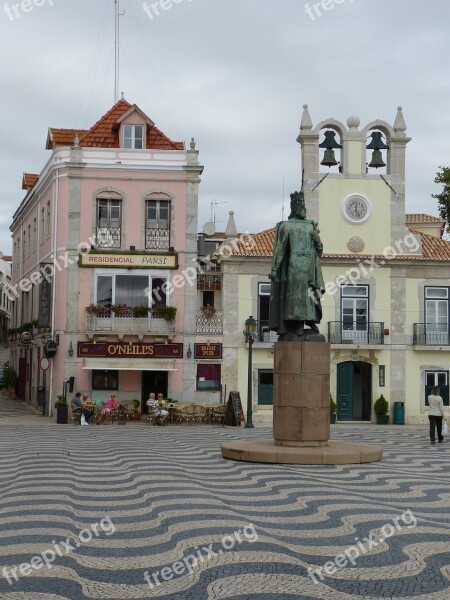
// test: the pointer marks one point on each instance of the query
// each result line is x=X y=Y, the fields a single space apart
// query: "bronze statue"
x=297 y=282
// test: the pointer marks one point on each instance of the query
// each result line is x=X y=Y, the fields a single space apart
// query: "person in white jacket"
x=435 y=415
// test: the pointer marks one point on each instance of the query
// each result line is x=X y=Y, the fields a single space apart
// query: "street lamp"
x=250 y=332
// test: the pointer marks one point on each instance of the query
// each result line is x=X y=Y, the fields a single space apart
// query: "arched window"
x=108 y=220
x=157 y=221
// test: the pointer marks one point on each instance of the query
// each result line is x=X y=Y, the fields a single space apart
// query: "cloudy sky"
x=234 y=74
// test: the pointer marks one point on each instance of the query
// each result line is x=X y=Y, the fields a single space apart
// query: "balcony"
x=126 y=324
x=157 y=239
x=340 y=332
x=108 y=237
x=264 y=333
x=431 y=334
x=212 y=324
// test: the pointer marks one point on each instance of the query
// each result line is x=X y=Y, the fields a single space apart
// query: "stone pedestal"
x=301 y=406
x=301 y=414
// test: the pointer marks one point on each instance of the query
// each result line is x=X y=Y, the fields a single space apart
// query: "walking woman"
x=435 y=415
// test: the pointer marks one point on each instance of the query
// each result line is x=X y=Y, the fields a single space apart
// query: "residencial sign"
x=130 y=261
x=207 y=351
x=125 y=350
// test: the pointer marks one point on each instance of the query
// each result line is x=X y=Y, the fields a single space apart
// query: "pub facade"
x=105 y=265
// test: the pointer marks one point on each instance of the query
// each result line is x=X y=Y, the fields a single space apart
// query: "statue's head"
x=298 y=208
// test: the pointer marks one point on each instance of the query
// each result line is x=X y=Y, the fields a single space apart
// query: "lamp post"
x=250 y=331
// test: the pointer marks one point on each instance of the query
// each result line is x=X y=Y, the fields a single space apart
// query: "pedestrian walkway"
x=155 y=512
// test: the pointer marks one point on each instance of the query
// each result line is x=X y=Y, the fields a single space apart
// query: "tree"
x=443 y=177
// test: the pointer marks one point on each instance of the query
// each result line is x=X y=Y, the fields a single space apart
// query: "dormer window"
x=133 y=136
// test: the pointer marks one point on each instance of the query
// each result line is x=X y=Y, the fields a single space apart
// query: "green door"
x=265 y=387
x=345 y=391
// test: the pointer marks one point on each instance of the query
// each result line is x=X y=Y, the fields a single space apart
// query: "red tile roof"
x=105 y=133
x=62 y=137
x=29 y=179
x=418 y=218
x=261 y=244
x=7 y=258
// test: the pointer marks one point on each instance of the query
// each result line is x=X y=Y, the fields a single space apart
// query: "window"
x=157 y=223
x=208 y=377
x=436 y=379
x=436 y=315
x=42 y=223
x=34 y=235
x=29 y=239
x=265 y=335
x=208 y=298
x=131 y=290
x=105 y=380
x=355 y=312
x=48 y=219
x=24 y=244
x=109 y=209
x=133 y=137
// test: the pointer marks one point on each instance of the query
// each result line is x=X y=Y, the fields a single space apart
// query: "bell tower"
x=356 y=187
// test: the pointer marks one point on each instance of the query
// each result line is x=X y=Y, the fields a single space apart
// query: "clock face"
x=356 y=209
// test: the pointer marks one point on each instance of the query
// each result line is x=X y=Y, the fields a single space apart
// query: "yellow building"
x=386 y=306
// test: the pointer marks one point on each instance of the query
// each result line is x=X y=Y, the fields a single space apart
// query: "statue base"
x=335 y=453
x=301 y=414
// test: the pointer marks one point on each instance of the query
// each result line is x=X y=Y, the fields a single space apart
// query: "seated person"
x=155 y=408
x=162 y=401
x=111 y=404
x=78 y=406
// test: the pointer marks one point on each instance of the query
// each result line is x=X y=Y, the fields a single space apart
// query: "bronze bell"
x=377 y=160
x=329 y=160
x=377 y=145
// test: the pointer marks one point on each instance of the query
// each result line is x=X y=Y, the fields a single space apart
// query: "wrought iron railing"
x=209 y=281
x=157 y=239
x=265 y=334
x=207 y=323
x=340 y=332
x=125 y=323
x=431 y=334
x=108 y=237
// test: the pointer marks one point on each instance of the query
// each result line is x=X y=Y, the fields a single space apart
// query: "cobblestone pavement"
x=108 y=505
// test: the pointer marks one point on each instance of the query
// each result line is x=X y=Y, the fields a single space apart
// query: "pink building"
x=105 y=264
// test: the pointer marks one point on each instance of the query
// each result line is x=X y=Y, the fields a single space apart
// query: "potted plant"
x=62 y=410
x=139 y=312
x=381 y=408
x=10 y=379
x=119 y=309
x=96 y=309
x=332 y=410
x=209 y=311
x=166 y=312
x=136 y=412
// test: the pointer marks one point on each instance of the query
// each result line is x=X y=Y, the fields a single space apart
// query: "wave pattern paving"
x=169 y=494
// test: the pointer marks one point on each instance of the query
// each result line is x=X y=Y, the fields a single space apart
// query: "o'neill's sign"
x=136 y=261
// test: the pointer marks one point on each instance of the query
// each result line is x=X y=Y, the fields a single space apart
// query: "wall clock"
x=356 y=208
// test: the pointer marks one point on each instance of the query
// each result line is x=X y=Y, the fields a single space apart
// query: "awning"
x=129 y=364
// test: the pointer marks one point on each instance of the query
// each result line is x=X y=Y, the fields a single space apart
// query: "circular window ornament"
x=356 y=209
x=355 y=244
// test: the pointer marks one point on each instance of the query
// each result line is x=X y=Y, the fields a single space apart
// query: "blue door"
x=345 y=391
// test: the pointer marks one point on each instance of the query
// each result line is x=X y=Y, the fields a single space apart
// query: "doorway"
x=265 y=387
x=354 y=391
x=153 y=382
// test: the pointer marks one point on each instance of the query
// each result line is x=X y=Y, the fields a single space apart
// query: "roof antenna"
x=116 y=49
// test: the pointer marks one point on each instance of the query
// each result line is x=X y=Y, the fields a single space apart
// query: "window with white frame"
x=157 y=222
x=264 y=334
x=42 y=235
x=48 y=219
x=133 y=136
x=437 y=379
x=131 y=290
x=436 y=315
x=109 y=220
x=354 y=312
